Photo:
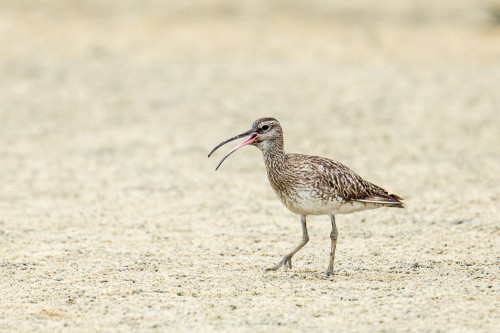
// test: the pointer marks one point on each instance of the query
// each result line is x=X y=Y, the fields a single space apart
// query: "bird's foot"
x=329 y=272
x=286 y=262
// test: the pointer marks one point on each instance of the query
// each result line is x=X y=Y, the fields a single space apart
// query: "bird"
x=310 y=185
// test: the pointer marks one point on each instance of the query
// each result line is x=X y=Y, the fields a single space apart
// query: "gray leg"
x=333 y=236
x=286 y=262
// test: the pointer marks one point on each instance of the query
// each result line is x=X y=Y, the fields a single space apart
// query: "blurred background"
x=331 y=32
x=109 y=108
x=408 y=87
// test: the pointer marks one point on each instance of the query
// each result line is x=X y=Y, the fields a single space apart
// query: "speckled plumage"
x=311 y=185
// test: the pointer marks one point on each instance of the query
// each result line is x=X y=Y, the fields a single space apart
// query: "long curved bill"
x=248 y=141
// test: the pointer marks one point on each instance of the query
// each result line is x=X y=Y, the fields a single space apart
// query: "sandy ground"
x=113 y=219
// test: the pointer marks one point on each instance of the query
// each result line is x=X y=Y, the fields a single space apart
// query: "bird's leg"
x=286 y=262
x=333 y=236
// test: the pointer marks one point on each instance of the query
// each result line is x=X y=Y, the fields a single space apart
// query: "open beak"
x=248 y=141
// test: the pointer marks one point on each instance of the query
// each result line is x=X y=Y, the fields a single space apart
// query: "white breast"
x=305 y=203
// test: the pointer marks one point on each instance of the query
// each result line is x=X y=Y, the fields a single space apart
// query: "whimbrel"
x=310 y=185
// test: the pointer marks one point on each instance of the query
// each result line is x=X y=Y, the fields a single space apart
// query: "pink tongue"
x=250 y=140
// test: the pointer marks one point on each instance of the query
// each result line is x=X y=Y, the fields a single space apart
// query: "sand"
x=113 y=219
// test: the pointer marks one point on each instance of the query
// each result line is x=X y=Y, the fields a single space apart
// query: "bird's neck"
x=274 y=155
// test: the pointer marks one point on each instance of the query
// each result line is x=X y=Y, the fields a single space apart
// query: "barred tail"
x=391 y=200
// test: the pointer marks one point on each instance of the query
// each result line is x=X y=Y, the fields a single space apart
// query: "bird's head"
x=264 y=132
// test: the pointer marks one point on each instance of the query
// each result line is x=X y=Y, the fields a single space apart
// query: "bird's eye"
x=265 y=127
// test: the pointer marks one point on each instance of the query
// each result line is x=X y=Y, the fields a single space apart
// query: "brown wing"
x=338 y=180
